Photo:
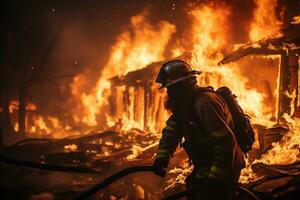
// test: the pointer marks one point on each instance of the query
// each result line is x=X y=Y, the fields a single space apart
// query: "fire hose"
x=187 y=192
x=50 y=167
x=99 y=186
x=94 y=189
x=89 y=192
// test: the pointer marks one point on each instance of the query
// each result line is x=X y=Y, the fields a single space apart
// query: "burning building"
x=116 y=120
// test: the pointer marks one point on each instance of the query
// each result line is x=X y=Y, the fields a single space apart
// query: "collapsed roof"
x=286 y=42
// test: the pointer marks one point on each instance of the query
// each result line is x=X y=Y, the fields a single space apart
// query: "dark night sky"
x=88 y=28
x=85 y=24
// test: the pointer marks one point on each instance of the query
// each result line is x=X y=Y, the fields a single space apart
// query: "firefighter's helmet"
x=174 y=71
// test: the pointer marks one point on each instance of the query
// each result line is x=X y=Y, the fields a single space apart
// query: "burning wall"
x=205 y=45
x=208 y=34
x=141 y=44
x=125 y=96
x=137 y=103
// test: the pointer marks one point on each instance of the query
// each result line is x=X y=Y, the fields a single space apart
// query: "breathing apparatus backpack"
x=243 y=130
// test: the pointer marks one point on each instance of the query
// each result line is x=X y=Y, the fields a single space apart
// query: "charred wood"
x=288 y=84
x=115 y=155
x=283 y=101
x=290 y=190
x=1 y=134
x=289 y=170
x=22 y=107
x=69 y=158
x=269 y=135
x=41 y=148
x=5 y=118
x=146 y=104
x=38 y=140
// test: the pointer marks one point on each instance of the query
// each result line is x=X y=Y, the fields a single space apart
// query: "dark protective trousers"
x=208 y=189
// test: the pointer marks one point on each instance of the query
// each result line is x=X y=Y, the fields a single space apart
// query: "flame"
x=140 y=192
x=142 y=43
x=83 y=113
x=209 y=38
x=250 y=100
x=287 y=150
x=70 y=148
x=39 y=126
x=135 y=50
x=137 y=150
x=13 y=108
x=296 y=20
x=247 y=174
x=265 y=22
x=284 y=152
x=182 y=172
x=16 y=126
x=209 y=33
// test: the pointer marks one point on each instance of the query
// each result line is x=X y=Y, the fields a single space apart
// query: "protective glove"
x=160 y=164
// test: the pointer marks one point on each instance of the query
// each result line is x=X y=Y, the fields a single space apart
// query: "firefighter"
x=200 y=122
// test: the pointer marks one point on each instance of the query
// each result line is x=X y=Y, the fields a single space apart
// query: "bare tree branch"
x=13 y=72
x=45 y=57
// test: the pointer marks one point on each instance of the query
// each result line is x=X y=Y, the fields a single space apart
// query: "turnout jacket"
x=206 y=126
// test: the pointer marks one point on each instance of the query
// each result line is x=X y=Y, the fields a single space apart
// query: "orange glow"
x=16 y=126
x=265 y=22
x=209 y=33
x=140 y=44
x=70 y=148
x=130 y=52
x=39 y=125
x=209 y=37
x=285 y=151
x=13 y=106
x=296 y=20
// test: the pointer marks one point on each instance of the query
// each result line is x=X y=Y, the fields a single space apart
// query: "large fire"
x=142 y=43
x=207 y=41
x=265 y=22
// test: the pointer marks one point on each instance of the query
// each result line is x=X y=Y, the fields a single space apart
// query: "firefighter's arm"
x=214 y=118
x=167 y=146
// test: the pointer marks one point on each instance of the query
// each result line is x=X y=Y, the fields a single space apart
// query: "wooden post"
x=283 y=99
x=1 y=134
x=127 y=100
x=139 y=105
x=136 y=103
x=159 y=112
x=22 y=108
x=151 y=106
x=288 y=84
x=112 y=101
x=294 y=79
x=5 y=118
x=146 y=102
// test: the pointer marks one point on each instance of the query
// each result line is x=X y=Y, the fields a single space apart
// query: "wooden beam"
x=284 y=80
